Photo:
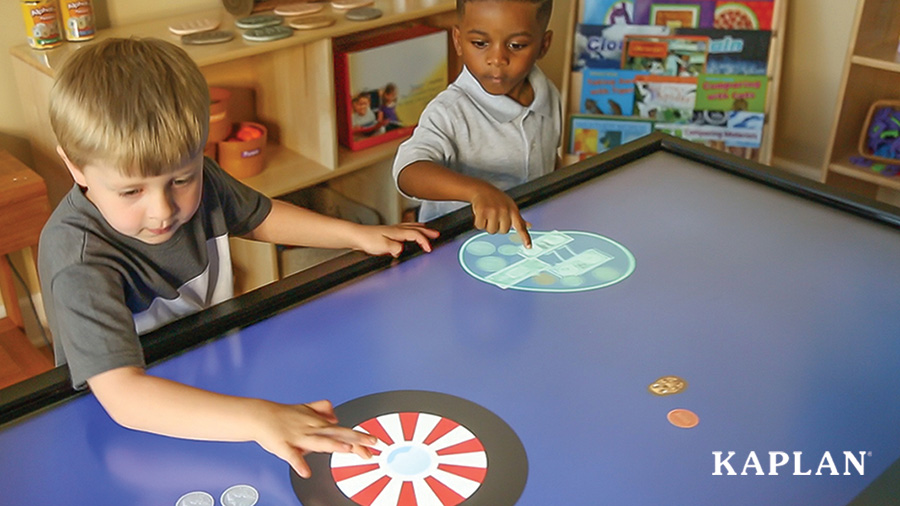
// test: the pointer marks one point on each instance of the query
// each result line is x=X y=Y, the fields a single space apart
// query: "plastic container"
x=219 y=119
x=243 y=158
x=77 y=19
x=41 y=23
x=865 y=147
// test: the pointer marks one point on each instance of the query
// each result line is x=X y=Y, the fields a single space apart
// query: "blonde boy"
x=497 y=126
x=142 y=239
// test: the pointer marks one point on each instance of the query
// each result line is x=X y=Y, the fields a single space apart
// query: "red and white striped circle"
x=420 y=460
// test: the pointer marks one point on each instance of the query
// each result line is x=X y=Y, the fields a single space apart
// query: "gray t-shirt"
x=102 y=289
x=489 y=137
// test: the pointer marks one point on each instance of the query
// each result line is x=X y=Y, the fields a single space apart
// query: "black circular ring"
x=507 y=469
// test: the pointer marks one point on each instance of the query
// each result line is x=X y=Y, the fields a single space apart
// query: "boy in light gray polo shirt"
x=498 y=125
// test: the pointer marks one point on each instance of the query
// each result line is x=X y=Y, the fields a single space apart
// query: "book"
x=675 y=13
x=595 y=134
x=738 y=132
x=379 y=96
x=735 y=52
x=665 y=99
x=609 y=92
x=608 y=12
x=683 y=55
x=600 y=46
x=742 y=15
x=731 y=93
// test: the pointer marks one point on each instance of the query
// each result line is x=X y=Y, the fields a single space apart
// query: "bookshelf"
x=572 y=80
x=871 y=72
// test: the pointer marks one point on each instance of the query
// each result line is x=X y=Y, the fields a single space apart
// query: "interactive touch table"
x=693 y=329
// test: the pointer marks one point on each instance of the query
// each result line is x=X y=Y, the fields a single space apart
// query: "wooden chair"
x=24 y=209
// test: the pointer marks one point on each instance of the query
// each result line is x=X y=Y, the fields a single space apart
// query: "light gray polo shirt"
x=490 y=137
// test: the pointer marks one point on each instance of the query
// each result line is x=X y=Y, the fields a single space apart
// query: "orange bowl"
x=244 y=158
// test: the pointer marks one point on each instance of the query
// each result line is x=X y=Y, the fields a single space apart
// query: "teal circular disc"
x=559 y=261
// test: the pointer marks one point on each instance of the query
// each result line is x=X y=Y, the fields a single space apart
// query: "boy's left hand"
x=389 y=239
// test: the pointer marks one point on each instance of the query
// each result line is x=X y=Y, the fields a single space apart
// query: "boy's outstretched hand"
x=496 y=212
x=292 y=431
x=389 y=239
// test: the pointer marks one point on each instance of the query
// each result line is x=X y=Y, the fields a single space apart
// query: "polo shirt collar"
x=501 y=107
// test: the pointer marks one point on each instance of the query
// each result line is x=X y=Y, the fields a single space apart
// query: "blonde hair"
x=140 y=105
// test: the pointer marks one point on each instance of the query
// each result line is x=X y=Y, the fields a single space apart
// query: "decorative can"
x=41 y=23
x=77 y=19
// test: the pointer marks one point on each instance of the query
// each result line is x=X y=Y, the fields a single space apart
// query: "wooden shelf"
x=394 y=12
x=871 y=72
x=843 y=166
x=287 y=171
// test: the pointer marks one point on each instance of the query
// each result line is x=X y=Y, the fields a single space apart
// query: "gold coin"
x=544 y=278
x=684 y=418
x=667 y=385
x=311 y=22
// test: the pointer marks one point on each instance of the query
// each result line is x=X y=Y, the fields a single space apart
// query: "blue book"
x=600 y=46
x=608 y=92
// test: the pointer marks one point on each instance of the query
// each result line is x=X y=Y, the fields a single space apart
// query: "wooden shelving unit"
x=289 y=87
x=871 y=72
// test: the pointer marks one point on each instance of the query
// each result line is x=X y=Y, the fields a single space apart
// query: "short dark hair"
x=543 y=14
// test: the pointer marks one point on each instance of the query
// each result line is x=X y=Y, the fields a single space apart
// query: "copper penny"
x=684 y=418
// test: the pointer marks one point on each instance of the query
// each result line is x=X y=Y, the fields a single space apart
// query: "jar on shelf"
x=41 y=23
x=77 y=19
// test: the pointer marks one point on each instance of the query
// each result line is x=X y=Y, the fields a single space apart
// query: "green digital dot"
x=508 y=249
x=490 y=264
x=572 y=281
x=605 y=274
x=481 y=248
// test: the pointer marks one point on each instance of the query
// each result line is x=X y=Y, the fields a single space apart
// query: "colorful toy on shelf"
x=880 y=139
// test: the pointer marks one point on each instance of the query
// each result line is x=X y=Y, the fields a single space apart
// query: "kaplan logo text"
x=753 y=465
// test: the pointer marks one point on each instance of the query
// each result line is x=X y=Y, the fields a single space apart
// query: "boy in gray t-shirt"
x=142 y=239
x=498 y=125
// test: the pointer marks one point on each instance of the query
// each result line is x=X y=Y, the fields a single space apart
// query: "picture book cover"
x=741 y=15
x=609 y=92
x=675 y=13
x=683 y=56
x=591 y=135
x=735 y=52
x=665 y=99
x=600 y=46
x=731 y=93
x=723 y=14
x=379 y=96
x=608 y=12
x=738 y=132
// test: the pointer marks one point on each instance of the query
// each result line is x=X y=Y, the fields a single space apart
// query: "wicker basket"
x=864 y=135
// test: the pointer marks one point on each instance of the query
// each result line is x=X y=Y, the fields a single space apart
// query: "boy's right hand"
x=292 y=431
x=496 y=212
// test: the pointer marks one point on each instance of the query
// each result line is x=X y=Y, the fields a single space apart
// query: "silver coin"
x=197 y=498
x=212 y=37
x=240 y=495
x=258 y=21
x=363 y=14
x=268 y=33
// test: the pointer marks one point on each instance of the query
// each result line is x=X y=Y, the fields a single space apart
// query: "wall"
x=815 y=48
